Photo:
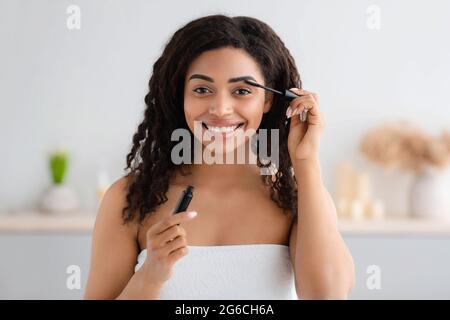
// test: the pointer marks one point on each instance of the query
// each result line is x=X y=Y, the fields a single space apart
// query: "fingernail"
x=192 y=214
x=289 y=112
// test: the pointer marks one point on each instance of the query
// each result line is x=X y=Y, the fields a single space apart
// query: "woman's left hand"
x=304 y=137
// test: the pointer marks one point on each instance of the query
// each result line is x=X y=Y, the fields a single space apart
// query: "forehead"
x=224 y=63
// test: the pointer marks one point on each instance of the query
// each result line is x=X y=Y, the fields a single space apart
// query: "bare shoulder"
x=113 y=203
x=118 y=190
x=114 y=246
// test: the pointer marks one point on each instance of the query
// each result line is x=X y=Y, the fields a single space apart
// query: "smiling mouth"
x=222 y=129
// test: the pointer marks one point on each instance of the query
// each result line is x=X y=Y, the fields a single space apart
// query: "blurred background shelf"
x=32 y=221
x=84 y=221
x=395 y=226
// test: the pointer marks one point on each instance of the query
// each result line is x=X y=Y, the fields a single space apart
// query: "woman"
x=245 y=241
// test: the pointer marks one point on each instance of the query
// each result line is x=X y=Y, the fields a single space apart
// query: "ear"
x=268 y=101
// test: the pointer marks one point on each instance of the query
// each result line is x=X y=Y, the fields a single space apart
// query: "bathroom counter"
x=411 y=252
x=42 y=222
x=395 y=226
x=84 y=221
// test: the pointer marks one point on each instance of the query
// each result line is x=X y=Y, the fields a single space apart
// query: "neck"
x=220 y=175
x=223 y=174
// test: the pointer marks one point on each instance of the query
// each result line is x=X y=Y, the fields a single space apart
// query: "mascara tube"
x=184 y=200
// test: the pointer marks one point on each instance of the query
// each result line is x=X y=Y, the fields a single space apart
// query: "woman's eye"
x=246 y=92
x=201 y=90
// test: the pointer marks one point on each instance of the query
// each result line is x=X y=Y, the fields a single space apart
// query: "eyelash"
x=248 y=91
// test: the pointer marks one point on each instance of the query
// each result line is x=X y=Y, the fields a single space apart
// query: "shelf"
x=43 y=222
x=395 y=226
x=83 y=222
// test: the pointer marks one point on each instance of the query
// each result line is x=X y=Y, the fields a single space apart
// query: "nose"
x=221 y=105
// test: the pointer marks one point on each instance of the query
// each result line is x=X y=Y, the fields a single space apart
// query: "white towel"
x=250 y=271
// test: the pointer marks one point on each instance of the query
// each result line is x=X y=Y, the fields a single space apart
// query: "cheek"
x=253 y=114
x=192 y=110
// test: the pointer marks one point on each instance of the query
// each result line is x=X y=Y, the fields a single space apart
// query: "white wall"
x=85 y=88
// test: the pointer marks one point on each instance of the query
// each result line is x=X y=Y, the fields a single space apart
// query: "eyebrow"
x=231 y=80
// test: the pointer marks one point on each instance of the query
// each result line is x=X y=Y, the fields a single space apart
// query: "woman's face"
x=217 y=98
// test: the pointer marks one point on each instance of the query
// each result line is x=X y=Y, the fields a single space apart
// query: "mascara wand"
x=287 y=94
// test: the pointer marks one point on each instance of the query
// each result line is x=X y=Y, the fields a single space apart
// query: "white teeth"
x=221 y=129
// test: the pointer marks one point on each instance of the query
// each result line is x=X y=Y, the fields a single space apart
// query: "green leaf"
x=58 y=166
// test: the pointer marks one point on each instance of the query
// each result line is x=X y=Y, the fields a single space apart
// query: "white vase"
x=430 y=194
x=59 y=199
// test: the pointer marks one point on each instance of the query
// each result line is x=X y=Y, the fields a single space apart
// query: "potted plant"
x=59 y=197
x=402 y=145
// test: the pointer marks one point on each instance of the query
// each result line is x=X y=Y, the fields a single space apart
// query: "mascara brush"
x=287 y=94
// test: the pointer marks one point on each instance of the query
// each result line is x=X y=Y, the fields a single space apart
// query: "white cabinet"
x=413 y=257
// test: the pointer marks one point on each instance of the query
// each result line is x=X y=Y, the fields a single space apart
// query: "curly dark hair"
x=149 y=163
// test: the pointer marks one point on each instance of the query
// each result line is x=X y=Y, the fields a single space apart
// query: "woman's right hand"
x=166 y=244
